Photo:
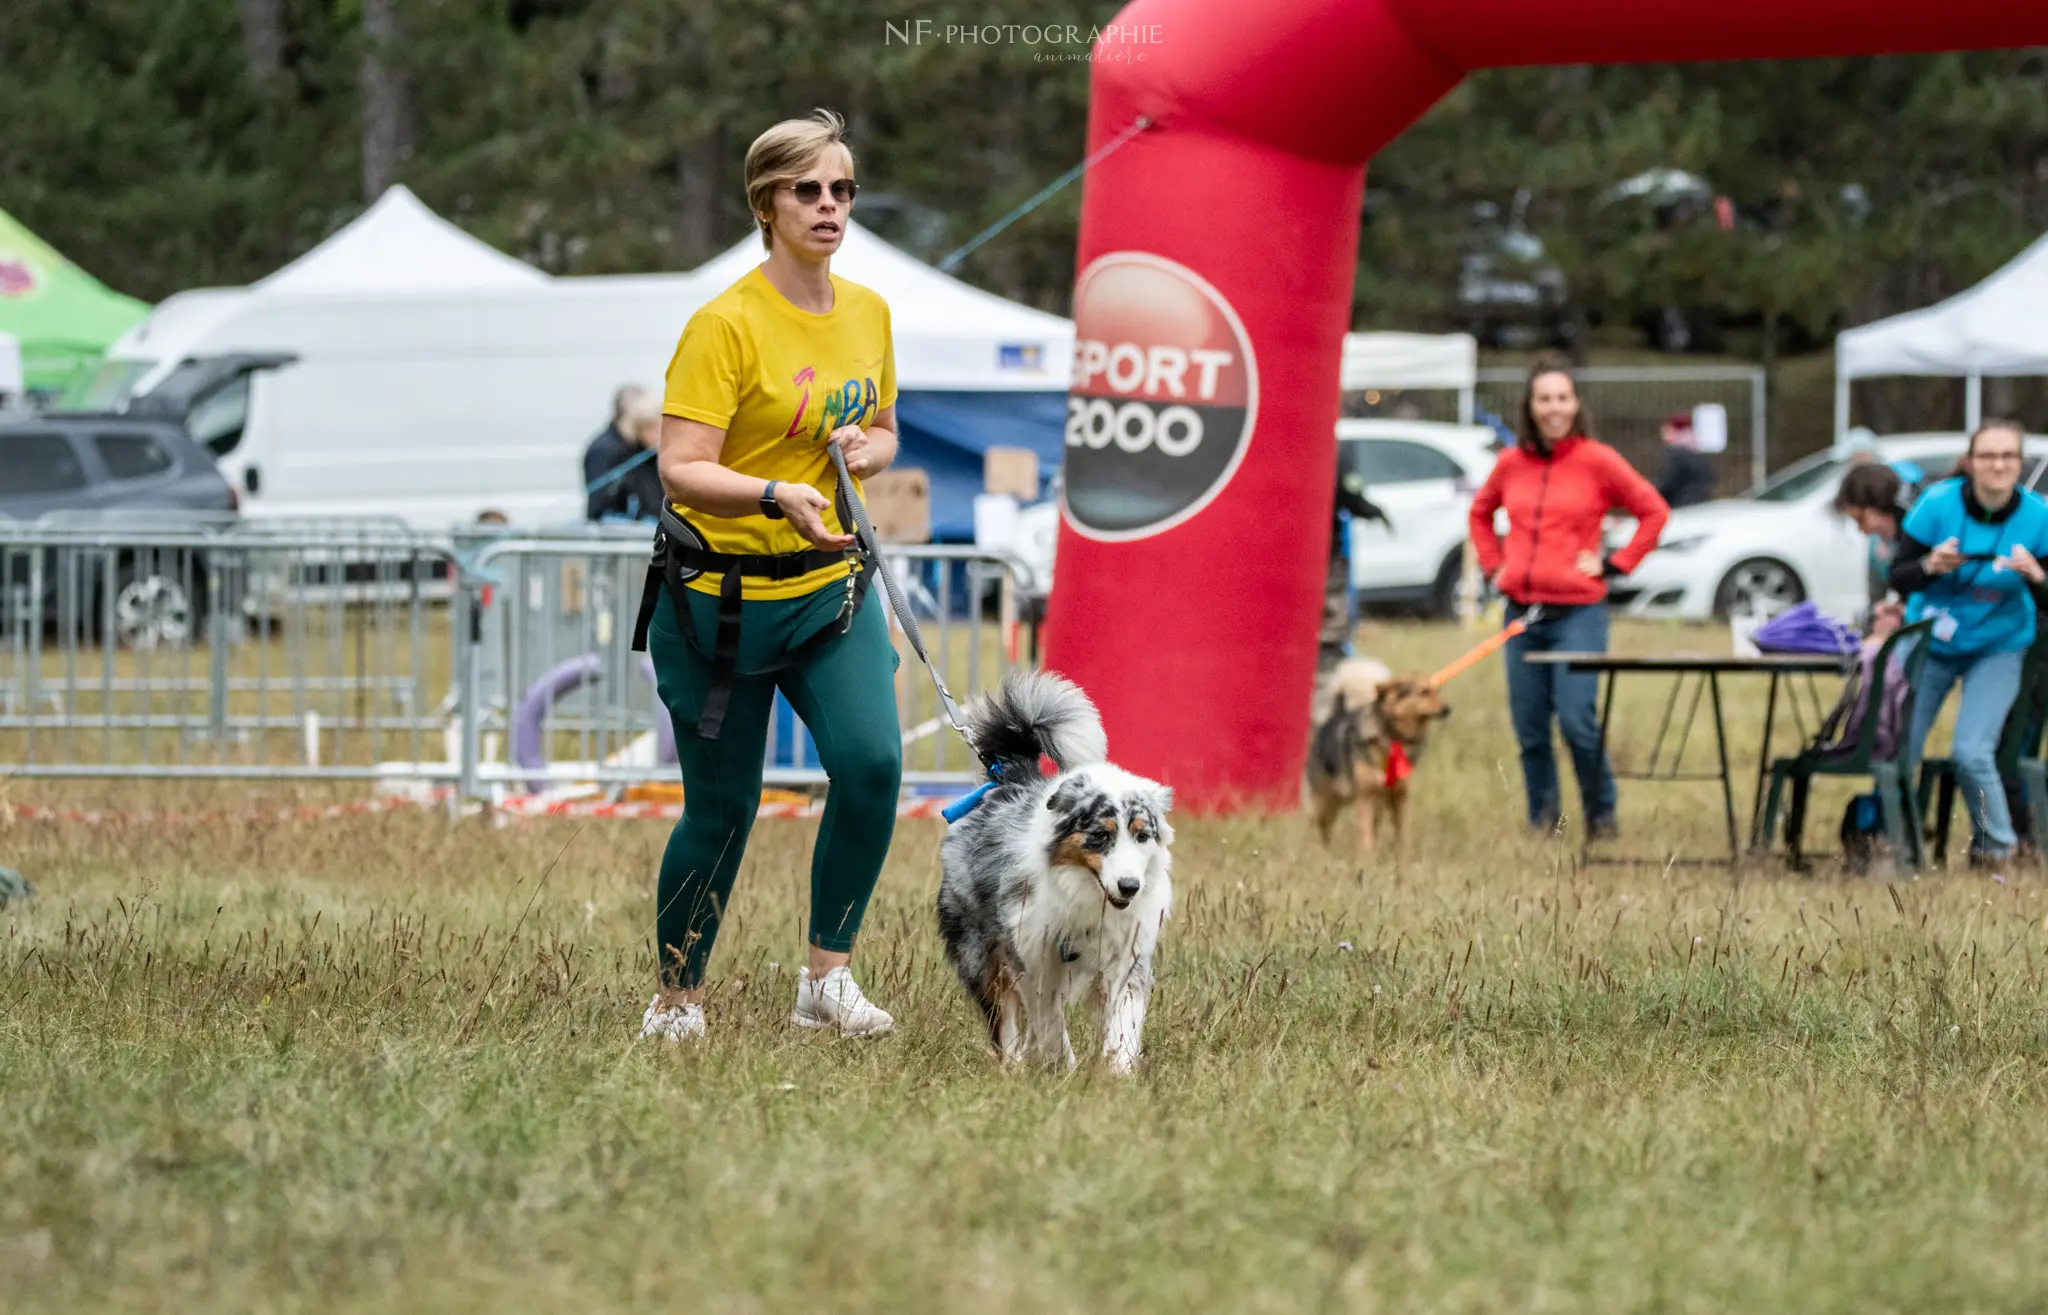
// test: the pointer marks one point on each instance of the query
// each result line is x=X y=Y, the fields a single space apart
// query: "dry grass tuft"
x=386 y=1063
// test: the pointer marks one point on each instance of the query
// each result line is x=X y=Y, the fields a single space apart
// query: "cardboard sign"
x=900 y=505
x=1011 y=470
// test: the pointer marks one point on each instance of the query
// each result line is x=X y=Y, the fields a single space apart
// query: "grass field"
x=386 y=1063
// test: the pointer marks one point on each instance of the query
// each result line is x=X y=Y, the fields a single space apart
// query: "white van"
x=433 y=407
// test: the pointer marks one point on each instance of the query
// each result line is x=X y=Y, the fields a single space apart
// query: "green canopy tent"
x=64 y=317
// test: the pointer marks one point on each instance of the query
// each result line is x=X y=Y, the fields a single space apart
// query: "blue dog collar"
x=970 y=801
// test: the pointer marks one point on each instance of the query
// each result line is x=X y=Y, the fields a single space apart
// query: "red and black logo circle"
x=1164 y=396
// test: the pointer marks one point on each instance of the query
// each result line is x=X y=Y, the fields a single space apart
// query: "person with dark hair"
x=1688 y=477
x=1339 y=615
x=2027 y=720
x=1877 y=499
x=1969 y=558
x=1557 y=485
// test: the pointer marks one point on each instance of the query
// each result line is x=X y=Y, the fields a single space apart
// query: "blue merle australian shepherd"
x=1056 y=886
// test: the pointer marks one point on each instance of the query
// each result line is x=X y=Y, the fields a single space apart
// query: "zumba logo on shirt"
x=851 y=403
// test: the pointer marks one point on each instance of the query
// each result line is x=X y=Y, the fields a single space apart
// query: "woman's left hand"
x=2027 y=565
x=859 y=451
x=1590 y=564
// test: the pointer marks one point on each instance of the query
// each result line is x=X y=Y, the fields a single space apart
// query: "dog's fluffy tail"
x=1348 y=688
x=1033 y=713
x=1357 y=682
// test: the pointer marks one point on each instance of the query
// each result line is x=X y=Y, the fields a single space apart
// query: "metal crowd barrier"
x=180 y=647
x=139 y=645
x=561 y=699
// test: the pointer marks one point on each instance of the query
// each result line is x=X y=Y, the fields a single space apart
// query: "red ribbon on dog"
x=1398 y=765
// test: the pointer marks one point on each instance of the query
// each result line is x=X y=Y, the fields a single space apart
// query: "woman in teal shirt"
x=1969 y=557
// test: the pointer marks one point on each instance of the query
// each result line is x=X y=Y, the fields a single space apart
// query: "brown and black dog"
x=1364 y=751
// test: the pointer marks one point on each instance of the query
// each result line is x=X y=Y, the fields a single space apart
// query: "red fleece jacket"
x=1555 y=503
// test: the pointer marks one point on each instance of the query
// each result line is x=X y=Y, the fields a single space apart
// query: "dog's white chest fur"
x=1067 y=922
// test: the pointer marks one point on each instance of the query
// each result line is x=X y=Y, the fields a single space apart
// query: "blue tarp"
x=945 y=433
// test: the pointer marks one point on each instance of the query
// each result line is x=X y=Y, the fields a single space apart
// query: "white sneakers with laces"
x=675 y=1023
x=835 y=1001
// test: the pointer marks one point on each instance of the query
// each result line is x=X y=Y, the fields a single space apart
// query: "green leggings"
x=846 y=694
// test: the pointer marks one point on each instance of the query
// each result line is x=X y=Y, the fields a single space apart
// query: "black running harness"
x=680 y=556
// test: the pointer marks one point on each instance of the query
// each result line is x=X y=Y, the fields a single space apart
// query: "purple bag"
x=1802 y=629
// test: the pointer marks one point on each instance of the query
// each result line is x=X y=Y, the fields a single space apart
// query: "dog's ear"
x=1070 y=795
x=1161 y=803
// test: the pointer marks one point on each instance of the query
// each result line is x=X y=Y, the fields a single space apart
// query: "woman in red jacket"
x=1557 y=483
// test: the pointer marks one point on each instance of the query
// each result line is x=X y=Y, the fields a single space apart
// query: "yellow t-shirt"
x=778 y=381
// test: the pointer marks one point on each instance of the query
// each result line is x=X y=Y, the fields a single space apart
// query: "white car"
x=1423 y=475
x=1038 y=533
x=1779 y=544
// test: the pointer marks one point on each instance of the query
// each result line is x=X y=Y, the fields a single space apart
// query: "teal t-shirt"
x=1981 y=606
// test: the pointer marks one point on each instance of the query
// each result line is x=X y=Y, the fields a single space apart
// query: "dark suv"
x=74 y=470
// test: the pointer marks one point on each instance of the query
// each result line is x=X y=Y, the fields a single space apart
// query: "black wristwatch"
x=768 y=507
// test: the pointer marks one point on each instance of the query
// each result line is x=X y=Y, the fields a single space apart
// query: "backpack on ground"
x=1862 y=834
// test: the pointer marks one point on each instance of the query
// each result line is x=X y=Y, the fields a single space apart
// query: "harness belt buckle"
x=846 y=605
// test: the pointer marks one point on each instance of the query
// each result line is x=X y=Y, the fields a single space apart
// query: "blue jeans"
x=1991 y=681
x=1538 y=693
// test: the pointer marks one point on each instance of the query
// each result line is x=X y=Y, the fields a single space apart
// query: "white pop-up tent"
x=424 y=373
x=397 y=246
x=1413 y=360
x=436 y=405
x=1998 y=328
x=948 y=335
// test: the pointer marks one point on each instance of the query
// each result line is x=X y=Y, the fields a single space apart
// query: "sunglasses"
x=810 y=189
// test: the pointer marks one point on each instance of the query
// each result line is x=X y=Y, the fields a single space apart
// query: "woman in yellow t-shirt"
x=785 y=363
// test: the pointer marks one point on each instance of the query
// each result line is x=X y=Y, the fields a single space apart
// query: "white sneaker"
x=675 y=1023
x=835 y=1001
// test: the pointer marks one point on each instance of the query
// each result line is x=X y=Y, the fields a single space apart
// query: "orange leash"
x=1485 y=648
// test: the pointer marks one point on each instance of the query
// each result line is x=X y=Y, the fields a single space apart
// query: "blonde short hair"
x=641 y=412
x=783 y=154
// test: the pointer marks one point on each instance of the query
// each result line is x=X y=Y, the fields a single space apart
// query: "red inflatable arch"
x=1214 y=282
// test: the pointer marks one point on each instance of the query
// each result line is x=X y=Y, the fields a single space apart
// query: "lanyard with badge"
x=1944 y=621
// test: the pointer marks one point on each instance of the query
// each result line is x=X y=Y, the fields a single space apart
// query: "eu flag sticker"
x=1021 y=356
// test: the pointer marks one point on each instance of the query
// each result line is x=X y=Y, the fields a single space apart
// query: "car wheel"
x=1759 y=585
x=153 y=609
x=1443 y=592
